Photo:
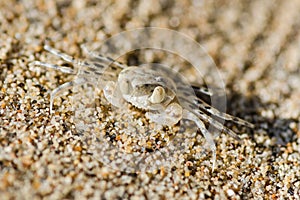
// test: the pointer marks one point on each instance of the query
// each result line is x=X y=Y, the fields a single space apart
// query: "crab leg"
x=217 y=124
x=103 y=59
x=206 y=107
x=199 y=103
x=203 y=90
x=52 y=66
x=108 y=60
x=191 y=116
x=63 y=87
x=61 y=55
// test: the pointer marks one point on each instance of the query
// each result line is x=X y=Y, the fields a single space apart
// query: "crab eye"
x=158 y=95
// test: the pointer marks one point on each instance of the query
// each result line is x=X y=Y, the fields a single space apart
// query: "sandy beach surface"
x=256 y=48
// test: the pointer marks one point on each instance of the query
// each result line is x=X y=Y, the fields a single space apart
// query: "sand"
x=255 y=45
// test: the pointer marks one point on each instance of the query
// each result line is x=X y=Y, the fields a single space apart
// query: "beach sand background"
x=256 y=46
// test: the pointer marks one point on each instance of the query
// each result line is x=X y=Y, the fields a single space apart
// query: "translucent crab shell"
x=138 y=83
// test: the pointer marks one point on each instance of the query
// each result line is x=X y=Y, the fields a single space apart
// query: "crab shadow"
x=276 y=128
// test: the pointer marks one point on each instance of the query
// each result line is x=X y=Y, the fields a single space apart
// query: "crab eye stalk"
x=158 y=95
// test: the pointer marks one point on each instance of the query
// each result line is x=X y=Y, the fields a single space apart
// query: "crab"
x=163 y=94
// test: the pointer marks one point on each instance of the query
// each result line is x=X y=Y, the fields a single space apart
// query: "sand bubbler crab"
x=163 y=94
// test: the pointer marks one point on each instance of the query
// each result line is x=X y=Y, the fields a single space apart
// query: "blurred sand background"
x=256 y=46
